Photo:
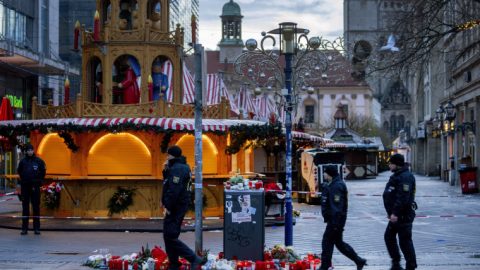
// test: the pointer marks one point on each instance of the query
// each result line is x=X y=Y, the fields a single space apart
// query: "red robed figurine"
x=131 y=92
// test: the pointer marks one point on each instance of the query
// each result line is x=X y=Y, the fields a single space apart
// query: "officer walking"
x=334 y=212
x=175 y=199
x=399 y=201
x=31 y=170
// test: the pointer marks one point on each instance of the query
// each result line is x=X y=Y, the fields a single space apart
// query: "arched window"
x=95 y=80
x=106 y=11
x=126 y=74
x=154 y=13
x=127 y=8
x=119 y=154
x=55 y=153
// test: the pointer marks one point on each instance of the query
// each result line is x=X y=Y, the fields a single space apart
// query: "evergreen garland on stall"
x=240 y=135
x=68 y=140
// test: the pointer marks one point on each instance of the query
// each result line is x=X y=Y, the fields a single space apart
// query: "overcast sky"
x=321 y=17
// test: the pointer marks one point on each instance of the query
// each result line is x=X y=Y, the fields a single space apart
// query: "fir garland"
x=68 y=140
x=241 y=134
x=165 y=141
x=120 y=200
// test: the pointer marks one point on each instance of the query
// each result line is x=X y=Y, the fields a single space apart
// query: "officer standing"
x=175 y=199
x=31 y=170
x=334 y=212
x=399 y=201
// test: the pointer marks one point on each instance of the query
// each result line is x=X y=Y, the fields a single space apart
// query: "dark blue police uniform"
x=399 y=199
x=175 y=198
x=31 y=170
x=334 y=212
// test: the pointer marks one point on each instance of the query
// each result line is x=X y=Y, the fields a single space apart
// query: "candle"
x=76 y=34
x=125 y=265
x=150 y=88
x=66 y=98
x=96 y=26
x=260 y=265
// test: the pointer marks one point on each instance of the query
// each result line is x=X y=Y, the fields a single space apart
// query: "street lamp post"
x=303 y=62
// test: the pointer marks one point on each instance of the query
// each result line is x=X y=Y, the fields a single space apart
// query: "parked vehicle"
x=310 y=177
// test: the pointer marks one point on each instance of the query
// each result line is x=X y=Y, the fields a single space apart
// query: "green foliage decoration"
x=120 y=200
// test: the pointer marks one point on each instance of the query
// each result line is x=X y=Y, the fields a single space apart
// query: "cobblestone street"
x=446 y=233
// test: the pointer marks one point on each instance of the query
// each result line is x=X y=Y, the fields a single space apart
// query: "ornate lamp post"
x=303 y=62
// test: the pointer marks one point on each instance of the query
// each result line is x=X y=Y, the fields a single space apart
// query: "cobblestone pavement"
x=446 y=233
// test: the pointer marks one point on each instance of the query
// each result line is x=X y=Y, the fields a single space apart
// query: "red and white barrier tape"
x=303 y=216
x=7 y=194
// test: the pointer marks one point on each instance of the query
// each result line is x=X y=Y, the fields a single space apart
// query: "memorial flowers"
x=51 y=194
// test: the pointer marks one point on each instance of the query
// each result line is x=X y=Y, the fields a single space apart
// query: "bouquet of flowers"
x=51 y=194
x=283 y=253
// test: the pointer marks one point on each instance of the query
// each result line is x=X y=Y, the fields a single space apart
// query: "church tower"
x=367 y=25
x=231 y=44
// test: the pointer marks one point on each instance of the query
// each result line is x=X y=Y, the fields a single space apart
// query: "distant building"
x=366 y=25
x=29 y=54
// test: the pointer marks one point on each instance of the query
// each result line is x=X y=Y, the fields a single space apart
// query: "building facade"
x=366 y=30
x=29 y=60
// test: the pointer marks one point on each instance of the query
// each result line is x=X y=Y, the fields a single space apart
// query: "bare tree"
x=423 y=27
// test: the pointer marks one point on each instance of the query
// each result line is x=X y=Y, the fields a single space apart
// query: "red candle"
x=66 y=98
x=125 y=265
x=76 y=34
x=96 y=26
x=259 y=265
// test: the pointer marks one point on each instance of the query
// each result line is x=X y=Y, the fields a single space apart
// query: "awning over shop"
x=306 y=136
x=335 y=145
x=179 y=124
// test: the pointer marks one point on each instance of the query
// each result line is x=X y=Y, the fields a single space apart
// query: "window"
x=13 y=25
x=309 y=114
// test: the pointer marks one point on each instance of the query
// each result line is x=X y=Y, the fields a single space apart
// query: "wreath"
x=120 y=200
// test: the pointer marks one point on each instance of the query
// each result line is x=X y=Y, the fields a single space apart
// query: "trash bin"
x=468 y=179
x=244 y=230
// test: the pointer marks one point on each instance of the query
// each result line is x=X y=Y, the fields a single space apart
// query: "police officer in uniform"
x=334 y=212
x=31 y=170
x=175 y=199
x=399 y=201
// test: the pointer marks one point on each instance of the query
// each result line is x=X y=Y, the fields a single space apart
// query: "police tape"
x=307 y=215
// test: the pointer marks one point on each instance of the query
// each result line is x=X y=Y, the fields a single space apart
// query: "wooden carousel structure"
x=105 y=139
x=114 y=135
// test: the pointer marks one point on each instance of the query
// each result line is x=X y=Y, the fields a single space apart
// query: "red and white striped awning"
x=180 y=124
x=313 y=138
x=334 y=144
x=187 y=124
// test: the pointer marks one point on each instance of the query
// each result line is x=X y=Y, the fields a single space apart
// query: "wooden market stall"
x=130 y=109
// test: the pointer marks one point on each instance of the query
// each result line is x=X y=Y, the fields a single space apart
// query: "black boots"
x=396 y=266
x=24 y=232
x=361 y=262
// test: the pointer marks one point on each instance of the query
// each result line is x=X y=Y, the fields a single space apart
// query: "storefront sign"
x=16 y=102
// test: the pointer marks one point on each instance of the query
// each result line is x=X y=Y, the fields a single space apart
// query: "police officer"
x=175 y=199
x=31 y=170
x=334 y=212
x=399 y=201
